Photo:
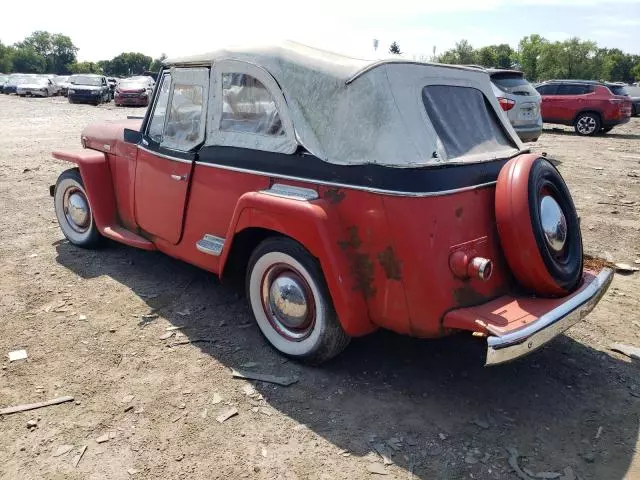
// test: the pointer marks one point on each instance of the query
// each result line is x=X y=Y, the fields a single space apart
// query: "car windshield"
x=131 y=84
x=86 y=80
x=60 y=80
x=513 y=83
x=40 y=81
x=618 y=90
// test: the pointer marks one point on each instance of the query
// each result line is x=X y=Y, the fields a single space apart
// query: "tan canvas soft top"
x=352 y=111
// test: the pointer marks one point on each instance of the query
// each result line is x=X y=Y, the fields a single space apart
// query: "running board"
x=122 y=235
x=210 y=245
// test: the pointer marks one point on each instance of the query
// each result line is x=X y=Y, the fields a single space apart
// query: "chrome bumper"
x=521 y=342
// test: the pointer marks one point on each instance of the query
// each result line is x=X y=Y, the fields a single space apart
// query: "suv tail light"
x=506 y=103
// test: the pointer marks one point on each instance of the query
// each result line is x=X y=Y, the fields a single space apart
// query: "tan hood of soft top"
x=108 y=136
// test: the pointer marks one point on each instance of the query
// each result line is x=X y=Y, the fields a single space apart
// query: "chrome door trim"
x=168 y=157
x=354 y=187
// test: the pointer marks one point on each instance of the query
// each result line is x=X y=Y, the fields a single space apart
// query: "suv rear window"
x=464 y=120
x=618 y=90
x=513 y=83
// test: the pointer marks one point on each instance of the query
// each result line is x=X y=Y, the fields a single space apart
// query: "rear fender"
x=96 y=175
x=312 y=225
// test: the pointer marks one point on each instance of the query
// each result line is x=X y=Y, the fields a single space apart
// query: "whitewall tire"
x=291 y=303
x=73 y=210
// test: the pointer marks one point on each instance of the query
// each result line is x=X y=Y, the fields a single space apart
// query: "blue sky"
x=341 y=25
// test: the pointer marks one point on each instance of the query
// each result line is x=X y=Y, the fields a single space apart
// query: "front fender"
x=312 y=224
x=96 y=176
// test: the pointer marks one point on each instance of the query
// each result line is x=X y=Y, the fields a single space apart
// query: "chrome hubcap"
x=554 y=223
x=288 y=302
x=586 y=125
x=76 y=210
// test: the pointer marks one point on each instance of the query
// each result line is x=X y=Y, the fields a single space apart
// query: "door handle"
x=178 y=178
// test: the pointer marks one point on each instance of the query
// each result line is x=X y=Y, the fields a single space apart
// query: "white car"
x=37 y=87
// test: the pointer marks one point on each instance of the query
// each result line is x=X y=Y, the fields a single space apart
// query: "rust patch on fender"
x=361 y=264
x=390 y=264
x=334 y=195
x=353 y=241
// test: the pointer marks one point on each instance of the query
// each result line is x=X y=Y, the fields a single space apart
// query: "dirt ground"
x=428 y=406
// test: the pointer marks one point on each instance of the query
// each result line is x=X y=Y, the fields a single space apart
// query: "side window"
x=572 y=89
x=547 y=89
x=248 y=106
x=182 y=131
x=156 y=124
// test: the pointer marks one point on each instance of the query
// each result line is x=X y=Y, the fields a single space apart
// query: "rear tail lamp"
x=506 y=103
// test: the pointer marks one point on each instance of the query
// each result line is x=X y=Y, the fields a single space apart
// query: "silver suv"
x=520 y=102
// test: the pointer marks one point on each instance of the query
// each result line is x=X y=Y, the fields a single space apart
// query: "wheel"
x=74 y=211
x=291 y=303
x=538 y=226
x=587 y=124
x=607 y=129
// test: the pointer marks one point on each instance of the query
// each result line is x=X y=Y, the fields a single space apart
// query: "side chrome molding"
x=290 y=191
x=210 y=245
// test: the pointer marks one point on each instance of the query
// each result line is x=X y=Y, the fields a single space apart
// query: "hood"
x=31 y=85
x=108 y=137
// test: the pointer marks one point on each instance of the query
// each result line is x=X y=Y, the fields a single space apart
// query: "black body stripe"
x=432 y=179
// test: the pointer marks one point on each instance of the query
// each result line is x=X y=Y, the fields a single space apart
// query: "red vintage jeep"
x=348 y=195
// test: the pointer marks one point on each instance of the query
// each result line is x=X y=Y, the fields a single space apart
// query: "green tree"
x=6 y=61
x=394 y=48
x=462 y=54
x=635 y=72
x=27 y=60
x=127 y=64
x=85 y=67
x=486 y=56
x=156 y=65
x=529 y=50
x=57 y=50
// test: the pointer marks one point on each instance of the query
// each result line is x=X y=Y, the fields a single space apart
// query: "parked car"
x=634 y=95
x=36 y=87
x=88 y=88
x=420 y=212
x=520 y=101
x=3 y=80
x=62 y=81
x=591 y=107
x=113 y=82
x=11 y=86
x=134 y=91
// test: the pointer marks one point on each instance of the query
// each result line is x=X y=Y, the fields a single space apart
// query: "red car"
x=419 y=212
x=134 y=91
x=591 y=107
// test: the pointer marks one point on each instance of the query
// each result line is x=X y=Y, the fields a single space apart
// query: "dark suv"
x=590 y=106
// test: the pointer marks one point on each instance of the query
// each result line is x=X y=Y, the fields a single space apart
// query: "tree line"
x=45 y=52
x=541 y=59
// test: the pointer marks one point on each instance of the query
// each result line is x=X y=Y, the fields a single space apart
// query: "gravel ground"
x=146 y=410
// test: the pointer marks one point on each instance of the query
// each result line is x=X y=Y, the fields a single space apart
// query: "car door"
x=568 y=101
x=549 y=101
x=166 y=153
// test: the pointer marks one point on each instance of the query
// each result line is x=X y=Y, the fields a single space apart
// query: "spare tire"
x=538 y=226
